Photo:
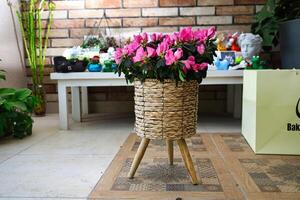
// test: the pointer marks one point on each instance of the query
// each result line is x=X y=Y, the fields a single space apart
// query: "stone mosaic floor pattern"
x=226 y=165
x=157 y=175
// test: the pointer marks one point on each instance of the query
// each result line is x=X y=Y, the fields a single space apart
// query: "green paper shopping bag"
x=271 y=111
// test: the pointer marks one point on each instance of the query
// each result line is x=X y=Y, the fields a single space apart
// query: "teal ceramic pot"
x=94 y=67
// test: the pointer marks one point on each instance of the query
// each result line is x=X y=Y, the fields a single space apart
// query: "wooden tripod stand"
x=184 y=152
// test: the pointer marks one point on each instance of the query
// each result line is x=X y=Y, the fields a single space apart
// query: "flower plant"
x=95 y=60
x=180 y=56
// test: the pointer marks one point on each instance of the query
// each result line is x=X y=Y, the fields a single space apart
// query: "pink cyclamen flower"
x=200 y=34
x=151 y=52
x=188 y=63
x=118 y=55
x=140 y=38
x=201 y=49
x=145 y=37
x=140 y=55
x=132 y=47
x=196 y=67
x=169 y=57
x=137 y=39
x=178 y=53
x=175 y=36
x=186 y=34
x=204 y=34
x=203 y=66
x=211 y=32
x=156 y=37
x=168 y=40
x=162 y=48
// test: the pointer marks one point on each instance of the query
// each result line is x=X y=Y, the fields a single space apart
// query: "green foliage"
x=267 y=20
x=35 y=38
x=90 y=42
x=102 y=42
x=15 y=108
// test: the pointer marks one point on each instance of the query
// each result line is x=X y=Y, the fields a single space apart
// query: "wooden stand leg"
x=170 y=151
x=187 y=160
x=138 y=157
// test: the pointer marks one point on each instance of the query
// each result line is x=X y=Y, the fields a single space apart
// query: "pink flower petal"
x=211 y=32
x=151 y=52
x=186 y=34
x=201 y=49
x=178 y=53
x=140 y=54
x=162 y=48
x=169 y=57
x=203 y=66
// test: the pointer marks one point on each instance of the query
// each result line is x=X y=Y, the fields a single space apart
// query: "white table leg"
x=237 y=109
x=63 y=106
x=76 y=115
x=84 y=101
x=230 y=99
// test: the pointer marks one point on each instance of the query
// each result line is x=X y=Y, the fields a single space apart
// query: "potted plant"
x=166 y=71
x=90 y=41
x=35 y=40
x=94 y=65
x=280 y=20
x=16 y=106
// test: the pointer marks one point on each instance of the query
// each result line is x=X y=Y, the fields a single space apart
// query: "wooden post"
x=138 y=157
x=170 y=150
x=187 y=160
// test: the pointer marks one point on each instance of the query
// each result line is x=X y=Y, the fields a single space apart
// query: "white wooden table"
x=82 y=80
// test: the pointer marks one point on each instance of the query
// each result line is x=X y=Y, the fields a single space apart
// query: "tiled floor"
x=53 y=164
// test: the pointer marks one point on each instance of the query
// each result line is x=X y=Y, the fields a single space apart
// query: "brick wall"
x=75 y=18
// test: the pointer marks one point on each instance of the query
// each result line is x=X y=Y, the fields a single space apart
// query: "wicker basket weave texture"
x=164 y=110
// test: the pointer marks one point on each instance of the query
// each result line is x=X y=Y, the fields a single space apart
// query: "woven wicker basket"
x=164 y=110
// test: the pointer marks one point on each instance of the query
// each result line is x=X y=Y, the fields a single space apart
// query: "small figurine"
x=220 y=42
x=238 y=60
x=257 y=63
x=250 y=45
x=232 y=43
x=94 y=65
x=221 y=64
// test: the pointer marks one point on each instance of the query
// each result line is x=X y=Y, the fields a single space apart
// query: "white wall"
x=9 y=53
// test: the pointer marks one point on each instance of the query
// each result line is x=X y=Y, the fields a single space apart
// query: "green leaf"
x=127 y=63
x=23 y=93
x=17 y=105
x=4 y=92
x=2 y=101
x=181 y=75
x=160 y=63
